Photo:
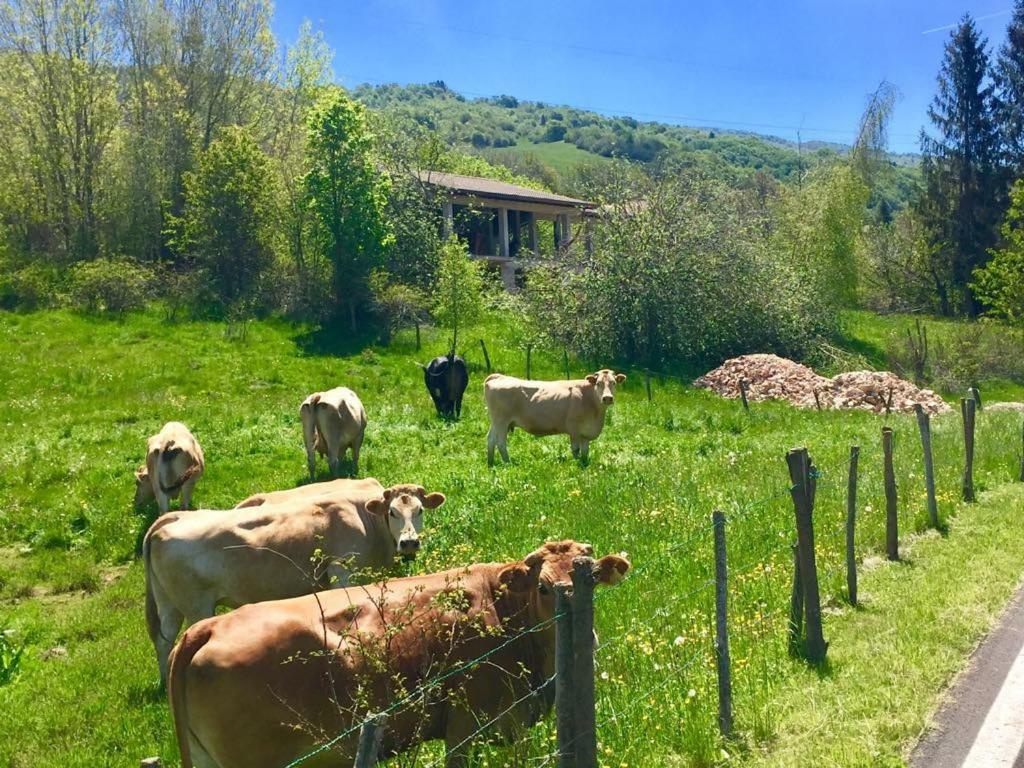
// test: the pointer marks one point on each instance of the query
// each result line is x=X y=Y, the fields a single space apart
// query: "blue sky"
x=765 y=67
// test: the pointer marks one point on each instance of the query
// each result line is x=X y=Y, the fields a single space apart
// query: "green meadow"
x=79 y=395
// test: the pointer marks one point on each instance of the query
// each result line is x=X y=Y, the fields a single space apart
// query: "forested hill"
x=524 y=133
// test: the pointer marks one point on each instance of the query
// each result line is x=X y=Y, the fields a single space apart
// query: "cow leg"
x=186 y=493
x=497 y=437
x=333 y=457
x=163 y=501
x=356 y=445
x=309 y=437
x=575 y=445
x=458 y=407
x=168 y=625
x=584 y=449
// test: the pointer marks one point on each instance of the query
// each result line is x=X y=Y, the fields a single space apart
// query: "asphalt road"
x=981 y=724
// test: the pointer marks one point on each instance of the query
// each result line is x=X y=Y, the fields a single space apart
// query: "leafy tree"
x=1009 y=79
x=960 y=205
x=458 y=293
x=230 y=223
x=347 y=194
x=1001 y=283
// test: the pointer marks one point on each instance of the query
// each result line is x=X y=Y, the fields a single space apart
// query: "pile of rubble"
x=770 y=377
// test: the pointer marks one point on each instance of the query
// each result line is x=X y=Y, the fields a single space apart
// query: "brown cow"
x=353 y=490
x=332 y=422
x=574 y=408
x=310 y=668
x=174 y=462
x=207 y=558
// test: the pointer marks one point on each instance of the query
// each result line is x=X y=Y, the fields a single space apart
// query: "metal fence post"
x=722 y=628
x=967 y=406
x=743 y=395
x=851 y=526
x=487 y=358
x=583 y=663
x=892 y=523
x=370 y=737
x=802 y=473
x=564 y=702
x=924 y=425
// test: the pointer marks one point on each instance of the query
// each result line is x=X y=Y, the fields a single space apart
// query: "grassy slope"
x=80 y=395
x=557 y=155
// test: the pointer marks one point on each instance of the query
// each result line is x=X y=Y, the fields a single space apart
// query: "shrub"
x=34 y=286
x=397 y=305
x=10 y=657
x=110 y=285
x=458 y=294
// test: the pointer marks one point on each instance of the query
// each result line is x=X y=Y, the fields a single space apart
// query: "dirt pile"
x=770 y=377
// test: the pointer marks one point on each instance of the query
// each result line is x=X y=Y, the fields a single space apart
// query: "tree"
x=347 y=194
x=230 y=223
x=1009 y=80
x=960 y=205
x=1001 y=283
x=458 y=292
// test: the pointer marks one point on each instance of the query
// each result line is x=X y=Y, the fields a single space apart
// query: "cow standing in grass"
x=574 y=408
x=268 y=684
x=174 y=462
x=446 y=378
x=332 y=422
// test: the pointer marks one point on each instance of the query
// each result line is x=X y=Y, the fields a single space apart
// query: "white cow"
x=174 y=462
x=332 y=422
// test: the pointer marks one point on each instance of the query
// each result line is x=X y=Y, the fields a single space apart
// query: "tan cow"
x=574 y=408
x=332 y=422
x=352 y=490
x=310 y=668
x=207 y=558
x=174 y=462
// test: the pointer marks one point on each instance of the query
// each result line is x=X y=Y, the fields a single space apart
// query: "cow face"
x=536 y=577
x=143 y=487
x=403 y=507
x=604 y=382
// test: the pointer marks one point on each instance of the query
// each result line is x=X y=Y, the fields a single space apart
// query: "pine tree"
x=1009 y=80
x=962 y=196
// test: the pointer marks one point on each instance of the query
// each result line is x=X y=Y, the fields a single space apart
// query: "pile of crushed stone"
x=770 y=377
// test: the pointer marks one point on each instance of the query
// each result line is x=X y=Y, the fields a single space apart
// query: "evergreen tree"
x=961 y=201
x=1009 y=79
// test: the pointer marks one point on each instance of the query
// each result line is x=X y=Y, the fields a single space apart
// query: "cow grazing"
x=174 y=462
x=332 y=422
x=352 y=490
x=446 y=378
x=207 y=558
x=573 y=408
x=312 y=667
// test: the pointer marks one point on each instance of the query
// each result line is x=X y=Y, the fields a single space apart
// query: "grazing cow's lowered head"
x=604 y=382
x=403 y=507
x=536 y=576
x=143 y=487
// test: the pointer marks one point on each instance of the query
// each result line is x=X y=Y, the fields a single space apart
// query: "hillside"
x=561 y=138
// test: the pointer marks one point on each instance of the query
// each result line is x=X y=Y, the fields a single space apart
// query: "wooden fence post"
x=722 y=628
x=647 y=384
x=924 y=425
x=817 y=399
x=529 y=350
x=417 y=335
x=796 y=605
x=802 y=474
x=370 y=737
x=743 y=395
x=564 y=702
x=851 y=525
x=967 y=406
x=487 y=358
x=975 y=394
x=892 y=523
x=583 y=662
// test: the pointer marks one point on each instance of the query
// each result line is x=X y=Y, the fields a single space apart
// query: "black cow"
x=446 y=378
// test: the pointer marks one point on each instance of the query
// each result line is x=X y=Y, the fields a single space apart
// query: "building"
x=499 y=220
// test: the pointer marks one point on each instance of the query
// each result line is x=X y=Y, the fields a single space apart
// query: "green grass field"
x=560 y=156
x=79 y=396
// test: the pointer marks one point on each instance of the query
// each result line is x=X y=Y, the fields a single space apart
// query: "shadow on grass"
x=335 y=338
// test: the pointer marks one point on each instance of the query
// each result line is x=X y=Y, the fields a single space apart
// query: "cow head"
x=402 y=506
x=604 y=382
x=143 y=486
x=535 y=578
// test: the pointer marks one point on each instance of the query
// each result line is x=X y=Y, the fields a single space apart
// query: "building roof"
x=474 y=186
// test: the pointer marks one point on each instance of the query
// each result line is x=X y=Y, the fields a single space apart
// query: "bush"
x=32 y=287
x=397 y=305
x=110 y=285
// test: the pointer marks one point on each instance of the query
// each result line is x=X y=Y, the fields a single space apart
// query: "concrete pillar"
x=533 y=233
x=565 y=230
x=449 y=219
x=503 y=232
x=508 y=276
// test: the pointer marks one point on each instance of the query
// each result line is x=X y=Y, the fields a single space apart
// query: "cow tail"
x=181 y=657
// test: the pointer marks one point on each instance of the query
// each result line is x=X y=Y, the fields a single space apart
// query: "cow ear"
x=619 y=378
x=141 y=474
x=592 y=378
x=433 y=500
x=377 y=507
x=611 y=569
x=516 y=578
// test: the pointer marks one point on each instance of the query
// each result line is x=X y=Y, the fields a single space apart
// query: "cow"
x=332 y=422
x=174 y=462
x=446 y=378
x=574 y=408
x=211 y=558
x=309 y=669
x=352 y=490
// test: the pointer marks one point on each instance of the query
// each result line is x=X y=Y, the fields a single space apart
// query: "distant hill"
x=554 y=140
